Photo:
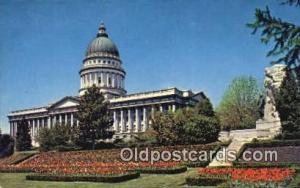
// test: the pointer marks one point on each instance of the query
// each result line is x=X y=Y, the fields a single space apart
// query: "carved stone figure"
x=270 y=122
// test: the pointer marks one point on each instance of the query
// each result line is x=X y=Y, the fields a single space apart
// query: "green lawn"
x=17 y=180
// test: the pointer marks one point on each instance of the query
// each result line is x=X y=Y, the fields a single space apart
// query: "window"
x=109 y=81
x=99 y=80
x=104 y=61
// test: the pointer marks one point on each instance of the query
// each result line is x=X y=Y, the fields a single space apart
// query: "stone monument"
x=270 y=125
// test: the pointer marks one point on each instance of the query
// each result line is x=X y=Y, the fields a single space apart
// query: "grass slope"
x=17 y=180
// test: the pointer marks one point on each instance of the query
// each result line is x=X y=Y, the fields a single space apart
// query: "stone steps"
x=235 y=145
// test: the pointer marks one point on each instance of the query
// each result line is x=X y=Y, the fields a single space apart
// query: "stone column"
x=122 y=121
x=72 y=120
x=10 y=128
x=130 y=128
x=137 y=119
x=54 y=120
x=33 y=128
x=49 y=122
x=113 y=80
x=43 y=122
x=119 y=81
x=145 y=119
x=16 y=128
x=38 y=125
x=66 y=119
x=173 y=107
x=91 y=80
x=115 y=120
x=95 y=78
x=107 y=79
x=60 y=119
x=13 y=128
x=161 y=108
x=102 y=79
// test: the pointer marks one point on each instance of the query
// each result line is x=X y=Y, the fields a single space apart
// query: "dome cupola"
x=102 y=45
x=102 y=67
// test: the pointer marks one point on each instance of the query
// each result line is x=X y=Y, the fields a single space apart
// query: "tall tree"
x=286 y=39
x=23 y=139
x=288 y=106
x=284 y=35
x=239 y=105
x=94 y=118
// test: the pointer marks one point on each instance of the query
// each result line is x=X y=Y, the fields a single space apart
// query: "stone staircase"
x=224 y=156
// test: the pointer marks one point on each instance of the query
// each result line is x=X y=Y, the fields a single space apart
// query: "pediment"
x=66 y=102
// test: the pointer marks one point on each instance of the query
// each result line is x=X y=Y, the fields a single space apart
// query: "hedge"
x=204 y=181
x=237 y=164
x=273 y=143
x=268 y=143
x=197 y=164
x=15 y=170
x=173 y=170
x=90 y=178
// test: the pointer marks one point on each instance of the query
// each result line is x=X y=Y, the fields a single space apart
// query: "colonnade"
x=102 y=79
x=46 y=121
x=136 y=119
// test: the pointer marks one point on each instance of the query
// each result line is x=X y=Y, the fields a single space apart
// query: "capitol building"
x=103 y=67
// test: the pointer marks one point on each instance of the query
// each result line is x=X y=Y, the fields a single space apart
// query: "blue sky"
x=191 y=44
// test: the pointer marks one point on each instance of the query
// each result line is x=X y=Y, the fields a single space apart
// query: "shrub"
x=56 y=136
x=90 y=178
x=197 y=125
x=204 y=181
x=6 y=145
x=172 y=170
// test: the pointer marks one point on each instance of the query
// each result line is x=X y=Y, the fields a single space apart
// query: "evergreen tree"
x=284 y=35
x=23 y=139
x=288 y=106
x=94 y=118
x=204 y=107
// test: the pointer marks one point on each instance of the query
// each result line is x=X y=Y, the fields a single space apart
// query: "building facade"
x=102 y=66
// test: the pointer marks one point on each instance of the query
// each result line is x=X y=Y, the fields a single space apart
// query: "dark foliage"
x=285 y=35
x=23 y=139
x=288 y=106
x=90 y=178
x=94 y=118
x=6 y=145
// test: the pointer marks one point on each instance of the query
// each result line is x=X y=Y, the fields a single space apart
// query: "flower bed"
x=242 y=177
x=251 y=174
x=97 y=168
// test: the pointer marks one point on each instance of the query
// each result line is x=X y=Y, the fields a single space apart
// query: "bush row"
x=273 y=143
x=90 y=178
x=237 y=164
x=174 y=170
x=14 y=170
x=197 y=164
